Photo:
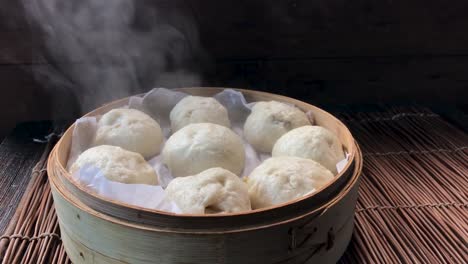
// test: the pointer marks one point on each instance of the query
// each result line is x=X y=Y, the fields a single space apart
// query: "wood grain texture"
x=158 y=218
x=313 y=228
x=295 y=29
x=423 y=80
x=304 y=29
x=375 y=217
x=22 y=99
x=413 y=202
x=325 y=52
x=18 y=155
x=168 y=246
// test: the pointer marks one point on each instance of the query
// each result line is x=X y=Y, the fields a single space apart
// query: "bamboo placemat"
x=412 y=206
x=19 y=153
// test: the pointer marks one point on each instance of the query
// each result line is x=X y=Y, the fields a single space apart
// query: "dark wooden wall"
x=327 y=52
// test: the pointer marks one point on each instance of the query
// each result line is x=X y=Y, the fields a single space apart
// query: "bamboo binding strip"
x=267 y=235
x=373 y=240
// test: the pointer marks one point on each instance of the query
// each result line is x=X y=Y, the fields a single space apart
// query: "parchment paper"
x=158 y=103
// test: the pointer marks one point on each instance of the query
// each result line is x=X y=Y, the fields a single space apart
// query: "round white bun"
x=215 y=190
x=268 y=121
x=116 y=164
x=198 y=147
x=311 y=142
x=197 y=109
x=281 y=179
x=130 y=129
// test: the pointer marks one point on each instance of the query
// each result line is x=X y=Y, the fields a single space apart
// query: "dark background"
x=325 y=52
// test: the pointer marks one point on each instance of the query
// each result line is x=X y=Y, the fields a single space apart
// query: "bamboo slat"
x=412 y=204
x=279 y=234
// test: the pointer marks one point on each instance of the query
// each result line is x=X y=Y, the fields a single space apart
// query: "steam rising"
x=102 y=50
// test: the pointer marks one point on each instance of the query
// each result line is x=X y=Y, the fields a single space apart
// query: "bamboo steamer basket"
x=312 y=229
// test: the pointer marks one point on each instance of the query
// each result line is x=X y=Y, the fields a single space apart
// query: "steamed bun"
x=215 y=190
x=311 y=142
x=268 y=121
x=130 y=129
x=198 y=147
x=116 y=164
x=197 y=109
x=281 y=179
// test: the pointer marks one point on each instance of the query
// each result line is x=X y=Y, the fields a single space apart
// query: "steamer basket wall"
x=312 y=229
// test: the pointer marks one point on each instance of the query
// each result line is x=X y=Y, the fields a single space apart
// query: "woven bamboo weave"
x=412 y=206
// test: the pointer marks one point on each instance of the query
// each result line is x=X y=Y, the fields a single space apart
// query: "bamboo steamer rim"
x=205 y=91
x=55 y=182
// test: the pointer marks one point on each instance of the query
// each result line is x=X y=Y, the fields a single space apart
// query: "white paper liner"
x=158 y=103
